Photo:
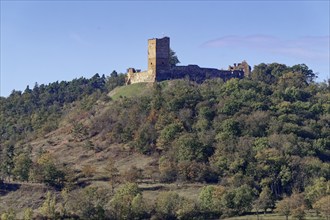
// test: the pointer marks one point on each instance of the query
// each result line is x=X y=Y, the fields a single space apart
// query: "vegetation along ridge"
x=256 y=147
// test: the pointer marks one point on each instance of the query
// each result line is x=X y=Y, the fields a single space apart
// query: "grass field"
x=137 y=89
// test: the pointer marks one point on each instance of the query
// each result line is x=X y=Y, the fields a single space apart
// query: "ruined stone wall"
x=244 y=66
x=136 y=77
x=159 y=67
x=198 y=74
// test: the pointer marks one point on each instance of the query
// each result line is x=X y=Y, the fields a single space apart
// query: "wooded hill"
x=108 y=151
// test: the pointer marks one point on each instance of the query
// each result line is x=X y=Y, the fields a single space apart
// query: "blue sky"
x=46 y=41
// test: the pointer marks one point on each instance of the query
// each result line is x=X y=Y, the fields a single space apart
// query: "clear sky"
x=46 y=41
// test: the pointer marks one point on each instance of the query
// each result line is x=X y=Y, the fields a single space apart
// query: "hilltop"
x=175 y=149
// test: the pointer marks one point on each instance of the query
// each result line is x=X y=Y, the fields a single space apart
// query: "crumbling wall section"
x=137 y=77
x=197 y=74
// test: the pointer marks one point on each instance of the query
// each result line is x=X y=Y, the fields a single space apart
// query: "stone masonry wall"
x=192 y=72
x=136 y=77
x=198 y=74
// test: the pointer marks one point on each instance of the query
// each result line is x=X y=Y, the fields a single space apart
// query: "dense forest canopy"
x=256 y=141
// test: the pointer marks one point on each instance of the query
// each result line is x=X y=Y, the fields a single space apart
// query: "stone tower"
x=159 y=54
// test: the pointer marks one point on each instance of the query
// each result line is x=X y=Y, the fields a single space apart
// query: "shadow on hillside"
x=5 y=188
x=151 y=188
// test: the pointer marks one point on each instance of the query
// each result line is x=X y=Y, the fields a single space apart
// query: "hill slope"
x=133 y=90
x=213 y=149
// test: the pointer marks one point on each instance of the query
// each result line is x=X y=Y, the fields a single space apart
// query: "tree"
x=266 y=199
x=194 y=172
x=210 y=200
x=283 y=207
x=188 y=210
x=64 y=203
x=322 y=205
x=45 y=170
x=113 y=173
x=114 y=80
x=139 y=208
x=90 y=203
x=48 y=208
x=133 y=174
x=238 y=200
x=114 y=74
x=262 y=73
x=22 y=163
x=8 y=160
x=293 y=205
x=205 y=199
x=317 y=190
x=145 y=138
x=167 y=204
x=173 y=58
x=167 y=169
x=299 y=213
x=28 y=214
x=9 y=215
x=189 y=148
x=303 y=69
x=122 y=202
x=167 y=135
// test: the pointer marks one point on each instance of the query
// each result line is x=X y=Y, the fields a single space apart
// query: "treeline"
x=37 y=110
x=27 y=115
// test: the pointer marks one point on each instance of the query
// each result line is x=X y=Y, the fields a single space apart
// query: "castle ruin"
x=159 y=68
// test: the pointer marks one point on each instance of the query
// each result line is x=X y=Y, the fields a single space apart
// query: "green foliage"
x=188 y=210
x=139 y=207
x=238 y=200
x=9 y=215
x=318 y=189
x=48 y=208
x=173 y=58
x=293 y=205
x=283 y=207
x=264 y=201
x=167 y=169
x=189 y=148
x=7 y=160
x=145 y=138
x=89 y=203
x=45 y=170
x=322 y=206
x=64 y=203
x=115 y=80
x=126 y=203
x=206 y=199
x=194 y=171
x=22 y=163
x=168 y=204
x=227 y=202
x=28 y=214
x=230 y=127
x=38 y=110
x=168 y=133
